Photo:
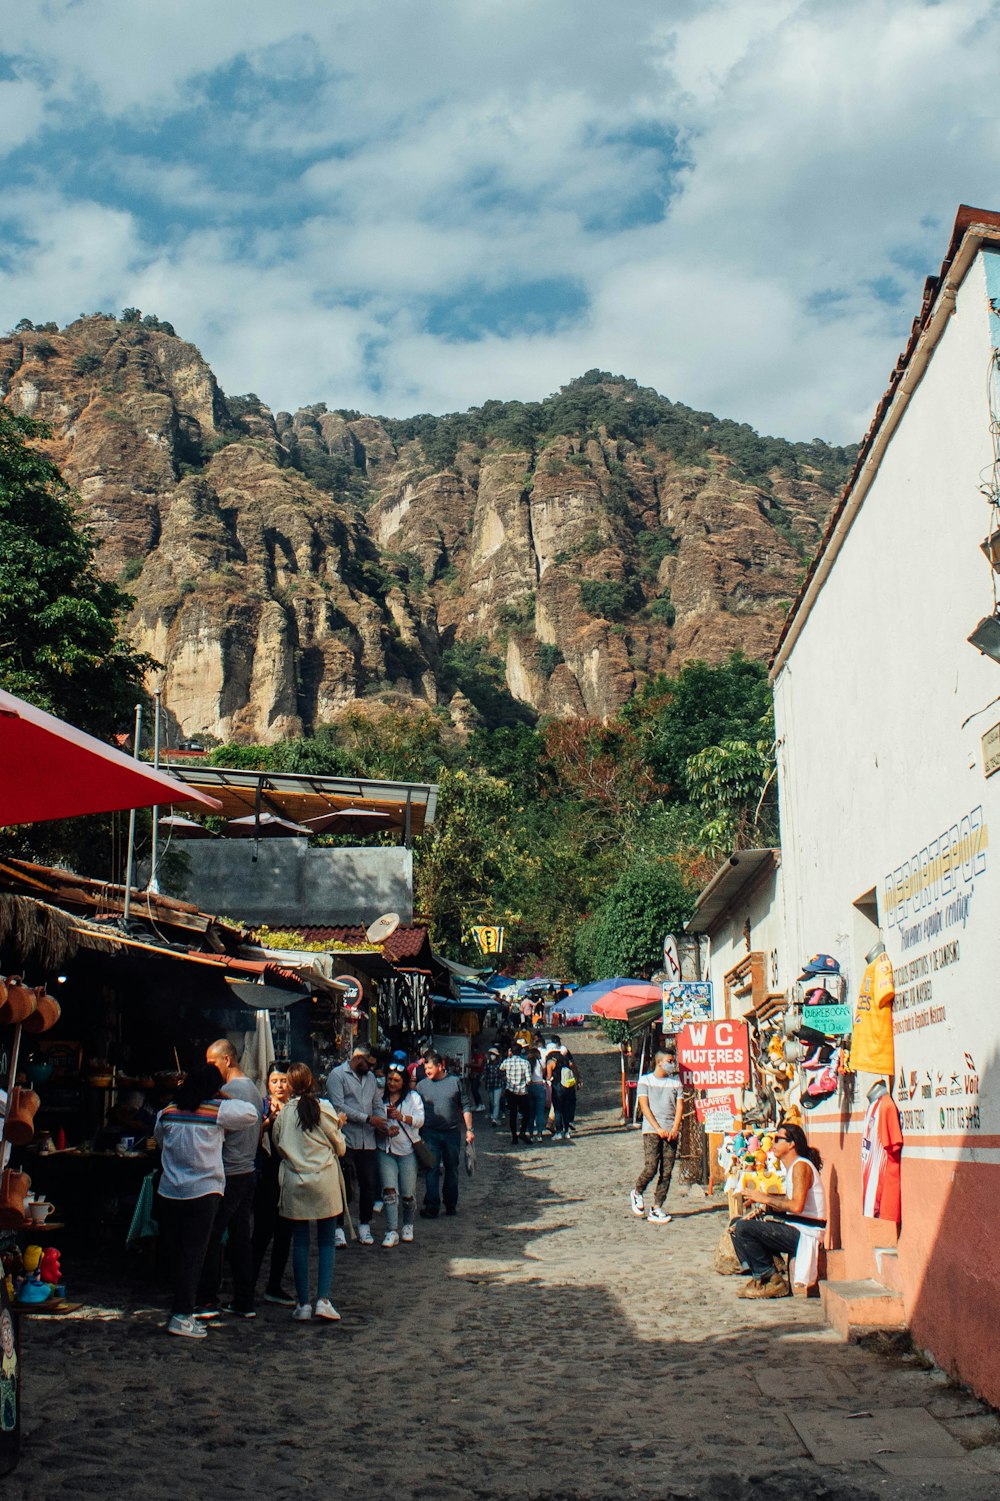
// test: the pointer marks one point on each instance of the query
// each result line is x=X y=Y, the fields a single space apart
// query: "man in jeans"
x=661 y=1104
x=235 y=1211
x=517 y=1074
x=353 y=1092
x=446 y=1104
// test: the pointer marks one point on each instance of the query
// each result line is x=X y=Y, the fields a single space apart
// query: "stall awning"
x=445 y=1002
x=410 y=806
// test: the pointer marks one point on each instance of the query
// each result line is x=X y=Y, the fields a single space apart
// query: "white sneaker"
x=187 y=1328
x=635 y=1199
x=658 y=1217
x=302 y=1311
x=365 y=1236
x=339 y=1239
x=407 y=1233
x=378 y=1206
x=390 y=1239
x=325 y=1310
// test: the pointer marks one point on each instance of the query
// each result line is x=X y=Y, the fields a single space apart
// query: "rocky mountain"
x=517 y=558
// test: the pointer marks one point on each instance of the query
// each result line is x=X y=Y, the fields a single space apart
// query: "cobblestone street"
x=543 y=1344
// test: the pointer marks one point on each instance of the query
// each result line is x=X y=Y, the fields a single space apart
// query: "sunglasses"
x=775 y=1139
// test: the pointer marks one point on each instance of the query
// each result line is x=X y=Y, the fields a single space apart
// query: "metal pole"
x=154 y=853
x=130 y=857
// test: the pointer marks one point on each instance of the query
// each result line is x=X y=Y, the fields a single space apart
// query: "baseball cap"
x=820 y=964
x=399 y=1056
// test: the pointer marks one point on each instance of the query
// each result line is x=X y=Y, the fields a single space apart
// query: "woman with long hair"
x=793 y=1222
x=307 y=1135
x=397 y=1161
x=189 y=1132
x=269 y=1229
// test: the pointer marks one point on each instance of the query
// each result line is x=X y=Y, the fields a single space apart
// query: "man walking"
x=492 y=1085
x=661 y=1104
x=446 y=1105
x=353 y=1092
x=517 y=1074
x=235 y=1210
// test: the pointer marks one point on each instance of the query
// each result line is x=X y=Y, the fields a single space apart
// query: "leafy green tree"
x=473 y=851
x=702 y=706
x=61 y=642
x=625 y=937
x=729 y=783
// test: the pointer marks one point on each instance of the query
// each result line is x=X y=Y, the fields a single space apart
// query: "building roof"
x=973 y=228
x=729 y=883
x=409 y=941
x=410 y=805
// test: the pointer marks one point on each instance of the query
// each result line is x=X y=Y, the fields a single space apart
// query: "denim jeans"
x=398 y=1177
x=537 y=1110
x=446 y=1146
x=496 y=1097
x=756 y=1241
x=326 y=1247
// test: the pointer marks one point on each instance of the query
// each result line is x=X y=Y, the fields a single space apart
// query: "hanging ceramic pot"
x=19 y=1125
x=20 y=1003
x=45 y=1015
x=13 y=1187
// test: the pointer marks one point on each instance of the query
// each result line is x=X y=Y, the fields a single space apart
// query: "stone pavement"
x=542 y=1344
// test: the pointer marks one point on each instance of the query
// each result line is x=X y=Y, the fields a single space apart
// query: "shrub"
x=610 y=599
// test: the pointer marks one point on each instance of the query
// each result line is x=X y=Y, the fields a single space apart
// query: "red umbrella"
x=617 y=1004
x=48 y=769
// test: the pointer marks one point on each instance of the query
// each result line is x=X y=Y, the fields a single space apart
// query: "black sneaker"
x=451 y=1211
x=239 y=1313
x=429 y=1214
x=282 y=1298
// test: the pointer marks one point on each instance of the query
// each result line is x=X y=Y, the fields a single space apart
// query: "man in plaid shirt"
x=516 y=1071
x=492 y=1083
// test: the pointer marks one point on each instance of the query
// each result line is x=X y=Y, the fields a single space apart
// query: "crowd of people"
x=248 y=1175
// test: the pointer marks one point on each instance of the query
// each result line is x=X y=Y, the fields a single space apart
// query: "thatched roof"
x=35 y=935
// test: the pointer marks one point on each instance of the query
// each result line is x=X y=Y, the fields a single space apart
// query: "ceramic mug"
x=39 y=1210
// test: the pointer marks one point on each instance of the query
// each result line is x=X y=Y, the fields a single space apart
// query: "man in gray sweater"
x=353 y=1092
x=446 y=1104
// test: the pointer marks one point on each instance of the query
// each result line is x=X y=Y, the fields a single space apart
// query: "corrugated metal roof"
x=296 y=797
x=729 y=882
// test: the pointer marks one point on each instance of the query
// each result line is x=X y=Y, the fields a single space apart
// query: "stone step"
x=857 y=1308
x=836 y=1266
x=887 y=1268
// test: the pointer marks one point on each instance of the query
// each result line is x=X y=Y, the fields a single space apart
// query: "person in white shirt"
x=661 y=1105
x=190 y=1133
x=397 y=1161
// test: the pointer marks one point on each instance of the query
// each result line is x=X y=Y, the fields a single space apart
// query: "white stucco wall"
x=761 y=906
x=877 y=766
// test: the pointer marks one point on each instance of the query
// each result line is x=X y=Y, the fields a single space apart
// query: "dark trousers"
x=658 y=1163
x=269 y=1229
x=758 y=1241
x=235 y=1214
x=364 y=1160
x=446 y=1147
x=517 y=1110
x=564 y=1106
x=186 y=1225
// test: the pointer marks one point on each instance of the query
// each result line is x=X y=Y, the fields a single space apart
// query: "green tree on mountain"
x=61 y=642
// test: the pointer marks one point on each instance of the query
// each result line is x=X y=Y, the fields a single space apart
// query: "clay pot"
x=19 y=1125
x=20 y=1003
x=45 y=1015
x=13 y=1187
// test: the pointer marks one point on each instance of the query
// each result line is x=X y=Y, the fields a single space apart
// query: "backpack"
x=567 y=1078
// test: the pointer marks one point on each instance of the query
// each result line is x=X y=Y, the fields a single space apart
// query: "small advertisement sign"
x=832 y=1021
x=714 y=1055
x=718 y=1112
x=352 y=989
x=489 y=938
x=686 y=1001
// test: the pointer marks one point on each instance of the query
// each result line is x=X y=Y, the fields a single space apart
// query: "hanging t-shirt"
x=871 y=1042
x=881 y=1149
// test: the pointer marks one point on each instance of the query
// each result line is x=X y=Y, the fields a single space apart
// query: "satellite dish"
x=382 y=927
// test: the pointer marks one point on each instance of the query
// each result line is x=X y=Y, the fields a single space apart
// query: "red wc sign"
x=714 y=1055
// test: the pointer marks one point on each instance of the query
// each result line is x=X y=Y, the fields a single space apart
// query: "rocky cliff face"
x=286 y=565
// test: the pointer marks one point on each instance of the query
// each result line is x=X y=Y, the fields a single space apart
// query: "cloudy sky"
x=405 y=207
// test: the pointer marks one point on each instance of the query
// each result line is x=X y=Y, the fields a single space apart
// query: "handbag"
x=422 y=1151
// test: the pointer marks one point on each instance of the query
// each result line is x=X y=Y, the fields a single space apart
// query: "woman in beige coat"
x=308 y=1139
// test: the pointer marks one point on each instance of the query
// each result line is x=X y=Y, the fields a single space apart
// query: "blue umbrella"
x=581 y=1002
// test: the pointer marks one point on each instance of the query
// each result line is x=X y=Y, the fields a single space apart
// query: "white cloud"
x=385 y=156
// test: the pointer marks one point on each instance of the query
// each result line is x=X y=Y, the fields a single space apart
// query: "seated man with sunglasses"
x=794 y=1221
